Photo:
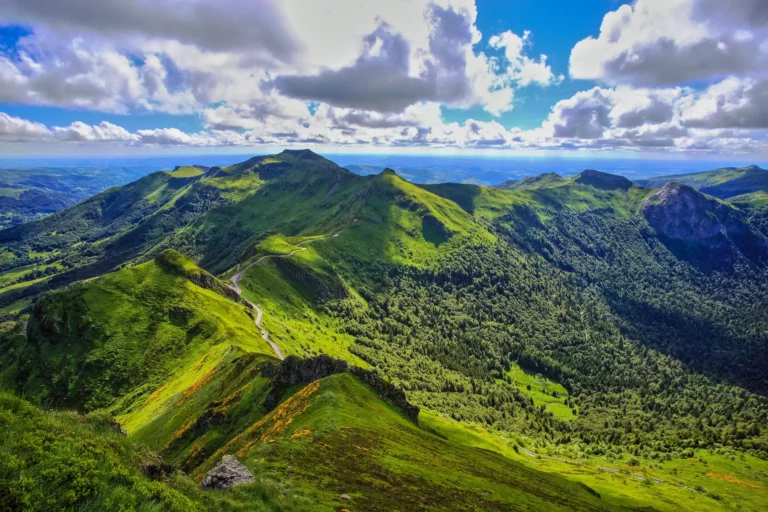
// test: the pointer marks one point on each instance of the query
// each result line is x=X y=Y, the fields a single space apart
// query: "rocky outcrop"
x=603 y=180
x=679 y=212
x=710 y=229
x=294 y=370
x=228 y=472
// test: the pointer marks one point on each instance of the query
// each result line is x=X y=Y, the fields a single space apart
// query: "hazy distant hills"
x=742 y=185
x=30 y=193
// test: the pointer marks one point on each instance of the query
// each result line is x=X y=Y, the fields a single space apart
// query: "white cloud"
x=667 y=42
x=81 y=132
x=521 y=68
x=258 y=58
x=346 y=72
x=253 y=26
x=732 y=103
x=16 y=129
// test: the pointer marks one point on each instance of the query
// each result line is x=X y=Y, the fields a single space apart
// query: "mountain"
x=446 y=346
x=603 y=180
x=680 y=213
x=739 y=185
x=539 y=181
x=31 y=193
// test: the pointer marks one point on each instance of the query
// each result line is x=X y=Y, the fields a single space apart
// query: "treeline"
x=657 y=356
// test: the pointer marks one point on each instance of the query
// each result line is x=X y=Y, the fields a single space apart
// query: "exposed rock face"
x=228 y=472
x=294 y=370
x=603 y=180
x=679 y=212
x=712 y=230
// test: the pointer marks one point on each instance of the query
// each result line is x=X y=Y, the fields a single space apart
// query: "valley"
x=365 y=343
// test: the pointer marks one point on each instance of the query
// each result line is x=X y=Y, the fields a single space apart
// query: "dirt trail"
x=239 y=275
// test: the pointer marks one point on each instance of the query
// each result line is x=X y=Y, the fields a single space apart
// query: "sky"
x=649 y=78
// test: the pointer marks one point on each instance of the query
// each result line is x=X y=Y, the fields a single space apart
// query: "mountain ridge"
x=554 y=320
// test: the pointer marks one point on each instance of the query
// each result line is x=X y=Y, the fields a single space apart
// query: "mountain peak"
x=709 y=226
x=603 y=180
x=302 y=154
x=543 y=180
x=388 y=172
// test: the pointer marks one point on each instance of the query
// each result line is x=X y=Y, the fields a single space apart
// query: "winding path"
x=236 y=287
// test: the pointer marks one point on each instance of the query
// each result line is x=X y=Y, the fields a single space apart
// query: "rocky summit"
x=678 y=211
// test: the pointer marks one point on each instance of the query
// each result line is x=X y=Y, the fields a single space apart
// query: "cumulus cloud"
x=255 y=26
x=674 y=75
x=732 y=103
x=257 y=59
x=15 y=129
x=667 y=42
x=378 y=80
x=392 y=73
x=522 y=69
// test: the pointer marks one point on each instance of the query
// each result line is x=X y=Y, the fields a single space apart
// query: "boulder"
x=228 y=472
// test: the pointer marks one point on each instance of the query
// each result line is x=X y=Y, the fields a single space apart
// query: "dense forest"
x=556 y=314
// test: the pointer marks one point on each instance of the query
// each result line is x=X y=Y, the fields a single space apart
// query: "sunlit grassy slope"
x=544 y=199
x=335 y=436
x=128 y=332
x=166 y=347
x=185 y=171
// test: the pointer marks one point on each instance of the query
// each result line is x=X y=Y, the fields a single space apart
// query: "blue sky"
x=523 y=77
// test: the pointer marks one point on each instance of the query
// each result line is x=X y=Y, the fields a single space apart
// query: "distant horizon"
x=465 y=168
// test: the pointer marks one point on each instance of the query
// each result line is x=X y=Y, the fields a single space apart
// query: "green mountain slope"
x=127 y=332
x=538 y=181
x=726 y=183
x=28 y=194
x=555 y=327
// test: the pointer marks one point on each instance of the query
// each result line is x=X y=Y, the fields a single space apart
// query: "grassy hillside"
x=126 y=332
x=550 y=334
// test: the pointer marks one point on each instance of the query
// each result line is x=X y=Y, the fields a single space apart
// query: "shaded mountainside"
x=603 y=180
x=681 y=214
x=558 y=319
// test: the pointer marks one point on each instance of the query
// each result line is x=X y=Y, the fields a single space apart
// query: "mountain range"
x=365 y=343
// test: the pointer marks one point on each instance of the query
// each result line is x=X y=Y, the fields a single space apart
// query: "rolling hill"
x=563 y=350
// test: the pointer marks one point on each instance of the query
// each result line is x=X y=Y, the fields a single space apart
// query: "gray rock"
x=228 y=472
x=346 y=497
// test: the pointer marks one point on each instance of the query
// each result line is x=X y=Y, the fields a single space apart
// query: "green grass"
x=57 y=460
x=291 y=313
x=384 y=462
x=186 y=171
x=703 y=482
x=136 y=329
x=542 y=390
x=11 y=192
x=754 y=199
